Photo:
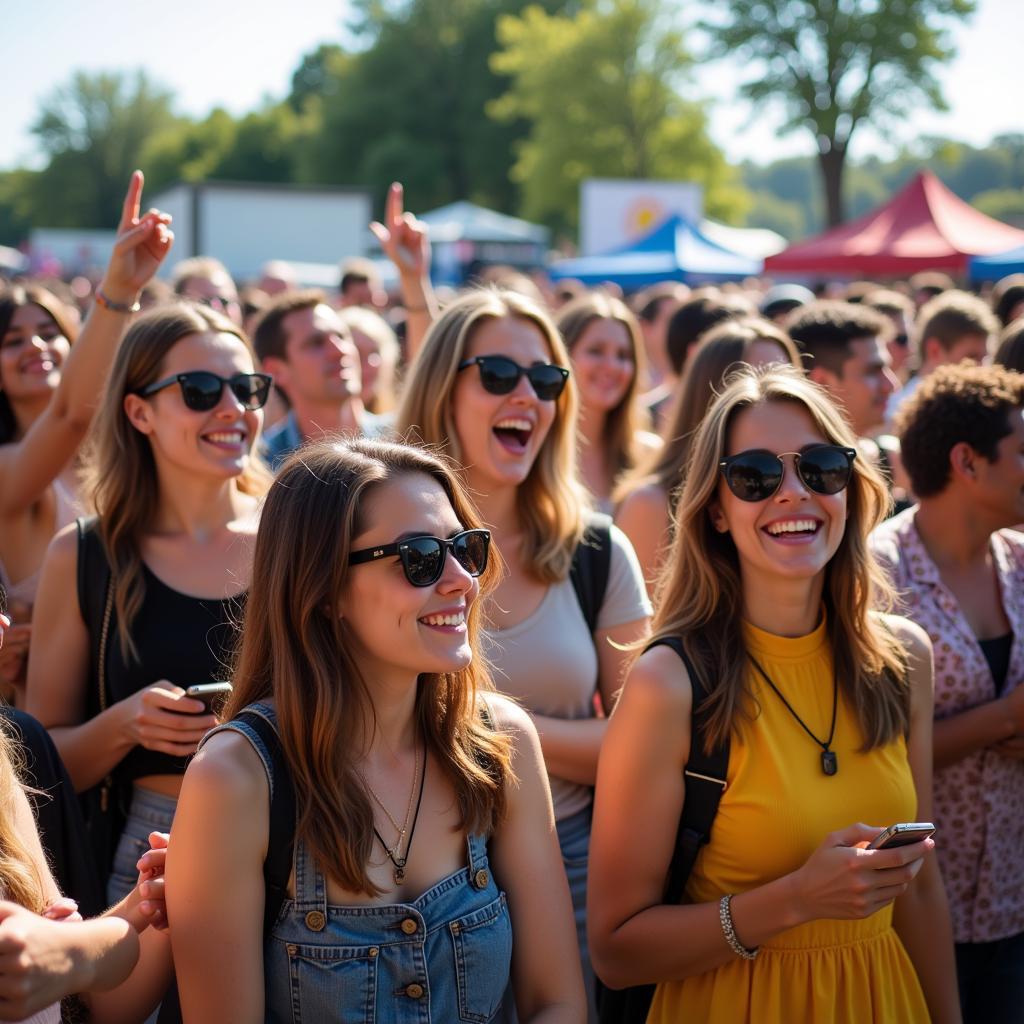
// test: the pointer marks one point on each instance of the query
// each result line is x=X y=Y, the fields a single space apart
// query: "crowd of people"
x=528 y=653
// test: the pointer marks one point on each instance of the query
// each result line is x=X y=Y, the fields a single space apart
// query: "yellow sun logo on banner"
x=642 y=215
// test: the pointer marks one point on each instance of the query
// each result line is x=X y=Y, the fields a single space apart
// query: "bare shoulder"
x=912 y=637
x=646 y=497
x=658 y=686
x=228 y=772
x=509 y=717
x=62 y=554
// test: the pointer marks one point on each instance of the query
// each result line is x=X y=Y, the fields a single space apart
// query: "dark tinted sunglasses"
x=201 y=390
x=423 y=558
x=499 y=375
x=757 y=474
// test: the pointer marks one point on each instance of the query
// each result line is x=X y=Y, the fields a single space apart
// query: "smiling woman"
x=160 y=574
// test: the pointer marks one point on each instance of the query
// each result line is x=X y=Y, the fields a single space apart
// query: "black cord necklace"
x=400 y=862
x=829 y=761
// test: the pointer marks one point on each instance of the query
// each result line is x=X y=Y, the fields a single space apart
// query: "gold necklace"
x=400 y=862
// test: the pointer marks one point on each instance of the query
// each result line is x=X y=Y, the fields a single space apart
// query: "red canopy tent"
x=923 y=227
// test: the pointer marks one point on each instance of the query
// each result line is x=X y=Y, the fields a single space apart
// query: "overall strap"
x=705 y=777
x=281 y=838
x=591 y=567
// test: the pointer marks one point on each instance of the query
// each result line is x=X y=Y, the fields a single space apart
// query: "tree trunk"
x=832 y=163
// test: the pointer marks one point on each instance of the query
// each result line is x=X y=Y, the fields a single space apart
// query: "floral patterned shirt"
x=979 y=801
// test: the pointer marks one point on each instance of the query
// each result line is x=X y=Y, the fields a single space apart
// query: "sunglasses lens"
x=423 y=561
x=547 y=381
x=754 y=476
x=498 y=375
x=201 y=390
x=250 y=389
x=825 y=470
x=471 y=551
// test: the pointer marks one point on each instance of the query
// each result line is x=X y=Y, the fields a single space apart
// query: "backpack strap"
x=277 y=867
x=591 y=567
x=705 y=777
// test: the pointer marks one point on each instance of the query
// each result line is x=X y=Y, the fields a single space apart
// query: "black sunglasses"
x=201 y=389
x=757 y=474
x=423 y=558
x=499 y=375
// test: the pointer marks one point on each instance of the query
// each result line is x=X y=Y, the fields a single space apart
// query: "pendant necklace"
x=392 y=852
x=829 y=761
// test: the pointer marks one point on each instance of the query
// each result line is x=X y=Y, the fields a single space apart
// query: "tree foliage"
x=599 y=91
x=833 y=65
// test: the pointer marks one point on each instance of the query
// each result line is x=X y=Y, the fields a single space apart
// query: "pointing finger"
x=394 y=204
x=132 y=201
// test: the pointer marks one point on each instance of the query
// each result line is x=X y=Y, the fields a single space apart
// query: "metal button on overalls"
x=481 y=878
x=414 y=991
x=315 y=921
x=409 y=926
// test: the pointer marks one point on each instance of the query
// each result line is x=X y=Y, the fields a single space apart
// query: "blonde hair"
x=628 y=418
x=120 y=469
x=551 y=503
x=20 y=881
x=297 y=648
x=700 y=592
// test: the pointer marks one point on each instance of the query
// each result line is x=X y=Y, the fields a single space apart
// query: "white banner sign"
x=614 y=213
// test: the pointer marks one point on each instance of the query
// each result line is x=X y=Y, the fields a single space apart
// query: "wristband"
x=115 y=307
x=725 y=916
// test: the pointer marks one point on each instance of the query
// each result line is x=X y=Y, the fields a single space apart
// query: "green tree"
x=836 y=64
x=599 y=91
x=94 y=130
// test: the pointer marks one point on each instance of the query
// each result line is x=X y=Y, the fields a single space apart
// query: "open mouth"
x=445 y=620
x=514 y=434
x=793 y=528
x=227 y=439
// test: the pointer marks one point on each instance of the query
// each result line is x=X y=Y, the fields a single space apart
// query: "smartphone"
x=903 y=834
x=213 y=695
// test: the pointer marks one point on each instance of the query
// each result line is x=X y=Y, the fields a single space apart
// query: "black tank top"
x=184 y=640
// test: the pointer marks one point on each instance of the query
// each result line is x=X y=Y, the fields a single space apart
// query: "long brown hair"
x=700 y=593
x=551 y=503
x=120 y=469
x=297 y=649
x=628 y=418
x=19 y=877
x=720 y=350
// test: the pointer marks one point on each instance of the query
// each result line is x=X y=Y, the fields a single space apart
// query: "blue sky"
x=211 y=52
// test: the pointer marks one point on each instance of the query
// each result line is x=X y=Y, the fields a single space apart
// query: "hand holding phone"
x=902 y=834
x=212 y=695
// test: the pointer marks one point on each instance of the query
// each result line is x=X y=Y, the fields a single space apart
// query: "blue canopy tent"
x=675 y=250
x=991 y=268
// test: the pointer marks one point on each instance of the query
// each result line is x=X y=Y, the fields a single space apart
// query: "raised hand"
x=142 y=245
x=403 y=238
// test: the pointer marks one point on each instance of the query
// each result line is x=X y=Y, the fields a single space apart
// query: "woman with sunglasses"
x=48 y=389
x=768 y=590
x=603 y=339
x=491 y=384
x=646 y=498
x=160 y=573
x=425 y=860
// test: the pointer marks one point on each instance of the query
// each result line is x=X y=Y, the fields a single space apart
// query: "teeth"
x=793 y=526
x=226 y=436
x=456 y=619
x=510 y=423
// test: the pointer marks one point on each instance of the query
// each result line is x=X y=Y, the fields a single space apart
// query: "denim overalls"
x=442 y=958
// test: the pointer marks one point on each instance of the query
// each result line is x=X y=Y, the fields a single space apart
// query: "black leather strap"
x=591 y=567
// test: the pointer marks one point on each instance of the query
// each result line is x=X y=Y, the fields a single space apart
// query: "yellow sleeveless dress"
x=775 y=811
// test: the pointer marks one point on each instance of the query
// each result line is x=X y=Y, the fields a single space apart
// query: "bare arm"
x=215 y=893
x=29 y=466
x=635 y=938
x=405 y=242
x=921 y=916
x=643 y=517
x=963 y=734
x=524 y=850
x=58 y=673
x=572 y=745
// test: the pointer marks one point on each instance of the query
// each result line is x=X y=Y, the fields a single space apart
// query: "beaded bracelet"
x=725 y=916
x=115 y=307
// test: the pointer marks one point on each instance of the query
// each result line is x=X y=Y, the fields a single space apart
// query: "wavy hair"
x=700 y=593
x=551 y=503
x=120 y=469
x=297 y=649
x=19 y=878
x=722 y=349
x=628 y=418
x=11 y=300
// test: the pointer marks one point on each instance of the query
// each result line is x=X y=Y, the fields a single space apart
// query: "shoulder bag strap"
x=591 y=567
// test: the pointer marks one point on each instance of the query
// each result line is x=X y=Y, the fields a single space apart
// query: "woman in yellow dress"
x=827 y=705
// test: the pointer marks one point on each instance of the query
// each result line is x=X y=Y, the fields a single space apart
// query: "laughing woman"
x=492 y=384
x=766 y=604
x=159 y=574
x=424 y=851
